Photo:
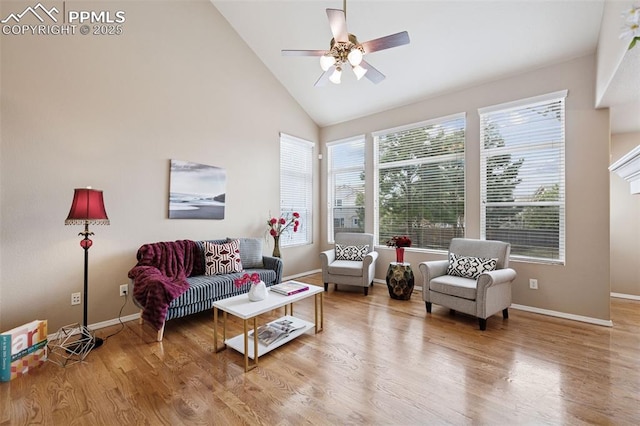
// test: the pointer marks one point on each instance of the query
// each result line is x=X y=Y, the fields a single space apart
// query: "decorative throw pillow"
x=469 y=267
x=351 y=252
x=222 y=258
x=250 y=252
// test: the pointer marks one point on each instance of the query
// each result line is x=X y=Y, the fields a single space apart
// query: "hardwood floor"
x=378 y=361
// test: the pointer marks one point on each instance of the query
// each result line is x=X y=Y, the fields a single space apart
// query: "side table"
x=400 y=280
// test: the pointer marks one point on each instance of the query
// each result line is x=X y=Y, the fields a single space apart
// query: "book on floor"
x=22 y=349
x=289 y=288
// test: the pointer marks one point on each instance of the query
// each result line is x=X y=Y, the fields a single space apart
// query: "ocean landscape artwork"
x=196 y=191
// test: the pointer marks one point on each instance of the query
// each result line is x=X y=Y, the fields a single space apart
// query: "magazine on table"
x=289 y=288
x=276 y=330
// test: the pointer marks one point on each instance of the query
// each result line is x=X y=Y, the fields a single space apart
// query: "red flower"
x=277 y=227
x=247 y=279
x=399 y=241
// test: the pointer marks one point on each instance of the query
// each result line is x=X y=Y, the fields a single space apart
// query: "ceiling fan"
x=345 y=50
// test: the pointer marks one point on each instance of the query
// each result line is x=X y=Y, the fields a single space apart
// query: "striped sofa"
x=204 y=289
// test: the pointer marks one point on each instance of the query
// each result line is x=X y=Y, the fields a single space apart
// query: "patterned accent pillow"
x=469 y=267
x=222 y=258
x=351 y=252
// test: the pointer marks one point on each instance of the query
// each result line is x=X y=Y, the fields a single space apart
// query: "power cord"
x=126 y=298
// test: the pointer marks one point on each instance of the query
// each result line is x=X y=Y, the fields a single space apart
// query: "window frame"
x=514 y=107
x=435 y=159
x=301 y=171
x=331 y=175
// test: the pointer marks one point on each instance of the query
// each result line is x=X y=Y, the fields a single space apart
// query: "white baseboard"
x=114 y=321
x=102 y=324
x=596 y=321
x=293 y=277
x=625 y=296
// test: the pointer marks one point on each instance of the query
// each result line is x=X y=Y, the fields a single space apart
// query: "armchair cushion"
x=469 y=267
x=357 y=253
x=351 y=268
x=455 y=286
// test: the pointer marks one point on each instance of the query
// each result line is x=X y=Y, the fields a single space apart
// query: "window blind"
x=296 y=186
x=523 y=176
x=420 y=182
x=346 y=186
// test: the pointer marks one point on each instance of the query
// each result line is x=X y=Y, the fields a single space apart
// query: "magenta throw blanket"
x=161 y=276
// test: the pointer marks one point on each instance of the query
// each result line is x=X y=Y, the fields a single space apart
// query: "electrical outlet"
x=75 y=298
x=533 y=284
x=124 y=289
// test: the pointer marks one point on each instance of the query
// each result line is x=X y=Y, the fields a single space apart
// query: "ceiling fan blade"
x=338 y=24
x=386 y=42
x=303 y=52
x=372 y=72
x=324 y=78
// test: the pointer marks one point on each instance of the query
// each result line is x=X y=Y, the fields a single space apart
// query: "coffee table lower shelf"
x=237 y=342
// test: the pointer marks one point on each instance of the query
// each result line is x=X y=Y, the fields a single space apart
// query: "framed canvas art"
x=196 y=191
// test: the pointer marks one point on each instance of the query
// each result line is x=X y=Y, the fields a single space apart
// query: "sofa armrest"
x=327 y=257
x=370 y=258
x=431 y=270
x=494 y=291
x=275 y=264
x=497 y=277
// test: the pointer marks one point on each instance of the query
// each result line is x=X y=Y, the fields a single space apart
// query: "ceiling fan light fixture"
x=355 y=56
x=359 y=71
x=335 y=77
x=326 y=61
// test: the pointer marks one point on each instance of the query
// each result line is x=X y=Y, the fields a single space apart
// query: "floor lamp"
x=87 y=209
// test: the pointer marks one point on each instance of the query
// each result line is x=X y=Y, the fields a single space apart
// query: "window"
x=296 y=186
x=420 y=182
x=346 y=186
x=522 y=176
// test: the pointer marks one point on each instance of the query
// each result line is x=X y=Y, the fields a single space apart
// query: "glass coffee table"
x=241 y=307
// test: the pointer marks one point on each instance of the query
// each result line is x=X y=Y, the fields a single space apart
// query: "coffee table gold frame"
x=252 y=321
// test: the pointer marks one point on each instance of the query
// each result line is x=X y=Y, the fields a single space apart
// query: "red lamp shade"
x=87 y=208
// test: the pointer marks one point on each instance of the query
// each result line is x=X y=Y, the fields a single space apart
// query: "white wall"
x=110 y=112
x=581 y=286
x=625 y=223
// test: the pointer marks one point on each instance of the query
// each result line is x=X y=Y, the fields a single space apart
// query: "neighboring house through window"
x=522 y=165
x=346 y=186
x=296 y=187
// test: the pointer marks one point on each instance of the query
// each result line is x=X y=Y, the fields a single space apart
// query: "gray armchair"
x=464 y=282
x=352 y=261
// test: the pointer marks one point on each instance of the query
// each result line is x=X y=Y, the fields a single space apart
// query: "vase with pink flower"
x=278 y=226
x=258 y=289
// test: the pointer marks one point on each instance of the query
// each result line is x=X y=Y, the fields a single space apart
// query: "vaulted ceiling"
x=454 y=44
